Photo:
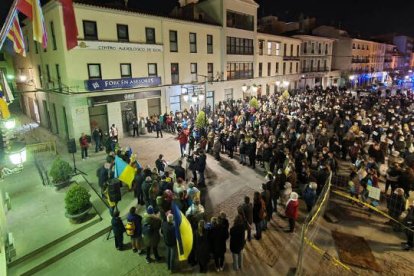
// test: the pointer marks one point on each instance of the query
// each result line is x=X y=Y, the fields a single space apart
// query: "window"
x=269 y=68
x=239 y=46
x=94 y=71
x=320 y=48
x=175 y=103
x=193 y=69
x=284 y=68
x=284 y=49
x=326 y=49
x=239 y=70
x=48 y=73
x=122 y=31
x=175 y=75
x=150 y=35
x=240 y=21
x=58 y=76
x=353 y=45
x=39 y=71
x=126 y=70
x=277 y=49
x=209 y=44
x=290 y=67
x=277 y=67
x=319 y=65
x=52 y=30
x=260 y=69
x=90 y=31
x=297 y=67
x=210 y=71
x=324 y=65
x=261 y=42
x=173 y=41
x=228 y=94
x=311 y=66
x=152 y=70
x=297 y=50
x=305 y=48
x=291 y=50
x=193 y=43
x=269 y=48
x=313 y=48
x=358 y=46
x=26 y=38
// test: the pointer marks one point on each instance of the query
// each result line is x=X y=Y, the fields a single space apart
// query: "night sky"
x=359 y=17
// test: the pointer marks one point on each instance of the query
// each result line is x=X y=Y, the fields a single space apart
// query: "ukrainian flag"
x=183 y=233
x=124 y=172
x=4 y=109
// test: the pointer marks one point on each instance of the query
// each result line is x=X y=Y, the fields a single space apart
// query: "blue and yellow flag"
x=4 y=109
x=183 y=233
x=124 y=172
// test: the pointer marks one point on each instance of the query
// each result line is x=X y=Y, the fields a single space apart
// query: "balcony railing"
x=314 y=69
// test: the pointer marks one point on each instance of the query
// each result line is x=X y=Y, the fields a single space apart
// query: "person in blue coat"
x=309 y=195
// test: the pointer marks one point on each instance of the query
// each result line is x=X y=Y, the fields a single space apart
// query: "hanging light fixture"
x=244 y=88
x=194 y=98
x=201 y=97
x=254 y=88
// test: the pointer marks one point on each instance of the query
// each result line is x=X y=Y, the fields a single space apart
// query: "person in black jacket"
x=237 y=242
x=179 y=171
x=118 y=228
x=251 y=151
x=201 y=163
x=218 y=234
x=168 y=231
x=202 y=247
x=136 y=237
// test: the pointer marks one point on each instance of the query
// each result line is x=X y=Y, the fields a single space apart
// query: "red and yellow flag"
x=33 y=10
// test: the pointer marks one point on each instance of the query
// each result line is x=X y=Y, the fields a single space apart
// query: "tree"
x=254 y=103
x=201 y=120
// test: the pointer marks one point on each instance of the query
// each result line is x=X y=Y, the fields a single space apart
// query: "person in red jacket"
x=292 y=211
x=83 y=141
x=183 y=139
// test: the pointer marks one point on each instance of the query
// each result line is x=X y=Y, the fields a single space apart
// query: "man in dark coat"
x=247 y=208
x=151 y=225
x=179 y=171
x=201 y=163
x=218 y=235
x=168 y=231
x=136 y=238
x=118 y=228
x=237 y=242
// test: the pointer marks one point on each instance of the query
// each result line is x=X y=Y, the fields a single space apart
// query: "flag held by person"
x=183 y=233
x=124 y=172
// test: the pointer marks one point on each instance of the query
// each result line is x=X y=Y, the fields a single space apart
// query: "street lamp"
x=17 y=154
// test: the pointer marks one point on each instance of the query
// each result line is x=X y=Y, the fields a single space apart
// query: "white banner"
x=118 y=46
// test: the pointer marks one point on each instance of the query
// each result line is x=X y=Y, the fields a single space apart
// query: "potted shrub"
x=61 y=173
x=77 y=203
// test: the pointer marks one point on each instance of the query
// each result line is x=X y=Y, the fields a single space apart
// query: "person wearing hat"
x=192 y=192
x=151 y=225
x=309 y=195
x=292 y=211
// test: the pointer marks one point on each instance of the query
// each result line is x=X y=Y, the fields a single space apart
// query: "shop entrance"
x=129 y=113
x=98 y=117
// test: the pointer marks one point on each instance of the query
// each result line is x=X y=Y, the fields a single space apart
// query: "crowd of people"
x=297 y=140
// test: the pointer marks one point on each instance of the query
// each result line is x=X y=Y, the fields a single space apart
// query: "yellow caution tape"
x=334 y=260
x=345 y=195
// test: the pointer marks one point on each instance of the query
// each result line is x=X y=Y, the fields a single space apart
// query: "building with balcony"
x=357 y=59
x=316 y=61
x=277 y=63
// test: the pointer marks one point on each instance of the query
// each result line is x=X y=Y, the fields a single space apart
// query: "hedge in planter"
x=61 y=171
x=77 y=200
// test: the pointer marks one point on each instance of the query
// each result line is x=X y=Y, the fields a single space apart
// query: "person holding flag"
x=183 y=233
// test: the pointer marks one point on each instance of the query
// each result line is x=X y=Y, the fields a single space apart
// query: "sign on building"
x=118 y=46
x=98 y=85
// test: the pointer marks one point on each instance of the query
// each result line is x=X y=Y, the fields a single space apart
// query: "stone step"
x=58 y=249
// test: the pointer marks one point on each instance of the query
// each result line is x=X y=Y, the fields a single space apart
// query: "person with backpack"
x=151 y=225
x=118 y=228
x=168 y=232
x=134 y=230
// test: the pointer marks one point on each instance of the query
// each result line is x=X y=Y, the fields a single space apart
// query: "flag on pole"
x=4 y=109
x=124 y=172
x=4 y=86
x=183 y=233
x=16 y=36
x=69 y=21
x=33 y=10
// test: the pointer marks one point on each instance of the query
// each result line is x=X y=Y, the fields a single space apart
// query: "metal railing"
x=49 y=146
